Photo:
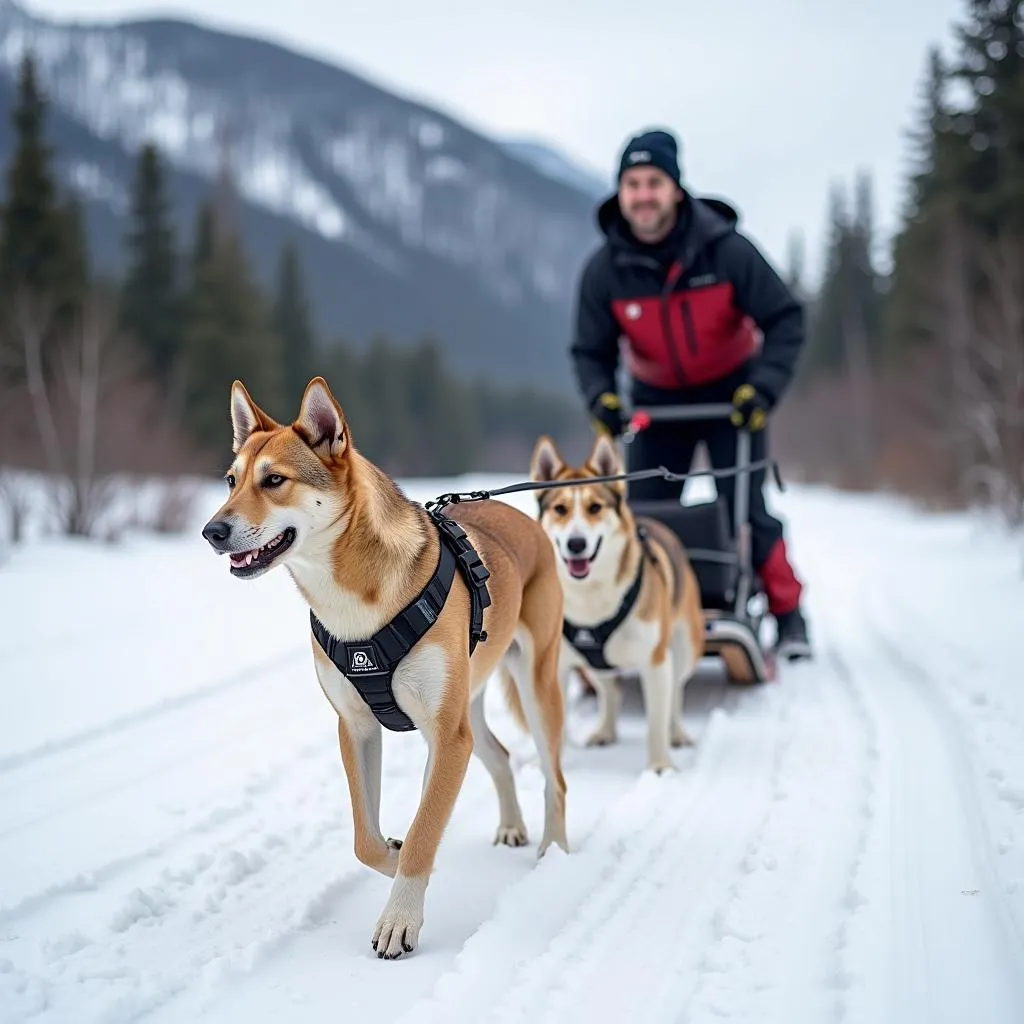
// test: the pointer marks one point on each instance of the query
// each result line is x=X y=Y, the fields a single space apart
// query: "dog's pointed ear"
x=246 y=417
x=605 y=460
x=321 y=423
x=545 y=463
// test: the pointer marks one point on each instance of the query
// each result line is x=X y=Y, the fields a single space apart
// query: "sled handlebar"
x=643 y=418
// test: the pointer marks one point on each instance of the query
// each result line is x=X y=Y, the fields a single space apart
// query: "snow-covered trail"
x=845 y=845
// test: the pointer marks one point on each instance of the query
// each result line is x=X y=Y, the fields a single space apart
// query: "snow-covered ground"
x=844 y=845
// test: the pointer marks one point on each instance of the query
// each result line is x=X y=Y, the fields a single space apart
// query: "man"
x=686 y=290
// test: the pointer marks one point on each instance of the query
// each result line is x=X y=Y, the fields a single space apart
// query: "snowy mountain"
x=409 y=223
x=557 y=165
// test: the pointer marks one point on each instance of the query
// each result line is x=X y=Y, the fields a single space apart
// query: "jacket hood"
x=711 y=218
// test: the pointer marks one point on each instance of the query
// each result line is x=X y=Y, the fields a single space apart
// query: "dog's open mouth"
x=245 y=563
x=579 y=566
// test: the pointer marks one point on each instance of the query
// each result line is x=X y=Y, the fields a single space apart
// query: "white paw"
x=601 y=738
x=680 y=737
x=661 y=765
x=396 y=933
x=398 y=929
x=511 y=835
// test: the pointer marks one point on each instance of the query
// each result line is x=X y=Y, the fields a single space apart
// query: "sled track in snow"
x=817 y=858
x=716 y=895
x=919 y=944
x=689 y=889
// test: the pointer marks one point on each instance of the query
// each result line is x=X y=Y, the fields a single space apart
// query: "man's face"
x=648 y=198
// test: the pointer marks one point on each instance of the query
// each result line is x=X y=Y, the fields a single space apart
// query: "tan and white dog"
x=604 y=564
x=301 y=496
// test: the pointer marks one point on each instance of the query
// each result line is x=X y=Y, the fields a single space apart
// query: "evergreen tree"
x=443 y=435
x=292 y=325
x=72 y=273
x=825 y=333
x=343 y=371
x=845 y=325
x=932 y=204
x=31 y=231
x=796 y=266
x=866 y=288
x=992 y=68
x=228 y=335
x=386 y=433
x=204 y=240
x=150 y=302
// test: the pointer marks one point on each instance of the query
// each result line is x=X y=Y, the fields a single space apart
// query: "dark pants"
x=673 y=444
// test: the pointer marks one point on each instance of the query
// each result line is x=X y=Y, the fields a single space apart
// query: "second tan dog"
x=632 y=599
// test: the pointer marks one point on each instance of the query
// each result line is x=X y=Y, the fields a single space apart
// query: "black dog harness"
x=590 y=640
x=370 y=665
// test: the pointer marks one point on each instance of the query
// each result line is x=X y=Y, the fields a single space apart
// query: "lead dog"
x=632 y=599
x=361 y=553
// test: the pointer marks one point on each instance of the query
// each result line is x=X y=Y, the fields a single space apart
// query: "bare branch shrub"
x=97 y=418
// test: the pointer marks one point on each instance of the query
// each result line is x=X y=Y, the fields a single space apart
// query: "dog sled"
x=733 y=599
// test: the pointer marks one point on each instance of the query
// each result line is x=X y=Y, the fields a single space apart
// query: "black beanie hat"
x=655 y=149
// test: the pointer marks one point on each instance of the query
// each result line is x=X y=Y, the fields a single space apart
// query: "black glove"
x=606 y=414
x=751 y=408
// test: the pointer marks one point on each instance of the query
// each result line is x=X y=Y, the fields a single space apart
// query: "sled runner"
x=733 y=599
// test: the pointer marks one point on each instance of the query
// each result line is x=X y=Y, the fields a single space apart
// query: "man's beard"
x=658 y=228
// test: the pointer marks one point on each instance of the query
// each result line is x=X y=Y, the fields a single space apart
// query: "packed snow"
x=844 y=844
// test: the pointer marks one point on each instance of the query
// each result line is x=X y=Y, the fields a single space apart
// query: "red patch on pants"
x=780 y=582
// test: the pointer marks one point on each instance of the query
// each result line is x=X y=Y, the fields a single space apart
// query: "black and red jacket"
x=690 y=308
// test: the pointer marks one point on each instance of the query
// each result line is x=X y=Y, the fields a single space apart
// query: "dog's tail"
x=511 y=694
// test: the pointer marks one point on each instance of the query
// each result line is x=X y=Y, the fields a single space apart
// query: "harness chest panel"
x=370 y=664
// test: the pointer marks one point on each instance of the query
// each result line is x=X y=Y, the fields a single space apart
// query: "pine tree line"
x=915 y=375
x=186 y=319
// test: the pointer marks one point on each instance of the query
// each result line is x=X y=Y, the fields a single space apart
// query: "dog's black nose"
x=217 y=531
x=576 y=545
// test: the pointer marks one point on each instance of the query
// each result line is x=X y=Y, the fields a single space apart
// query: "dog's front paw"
x=601 y=738
x=395 y=935
x=398 y=928
x=661 y=766
x=680 y=737
x=511 y=835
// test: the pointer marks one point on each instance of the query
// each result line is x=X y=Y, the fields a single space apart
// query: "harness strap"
x=473 y=570
x=590 y=640
x=370 y=664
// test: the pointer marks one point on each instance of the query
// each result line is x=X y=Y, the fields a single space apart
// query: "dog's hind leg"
x=659 y=689
x=494 y=755
x=683 y=665
x=533 y=661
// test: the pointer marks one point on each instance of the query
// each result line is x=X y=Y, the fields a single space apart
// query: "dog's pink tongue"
x=240 y=560
x=579 y=566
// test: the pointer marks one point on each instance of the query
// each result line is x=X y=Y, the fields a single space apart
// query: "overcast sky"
x=771 y=101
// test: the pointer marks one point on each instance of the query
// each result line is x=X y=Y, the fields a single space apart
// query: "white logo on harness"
x=584 y=638
x=640 y=154
x=362 y=661
x=702 y=279
x=633 y=311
